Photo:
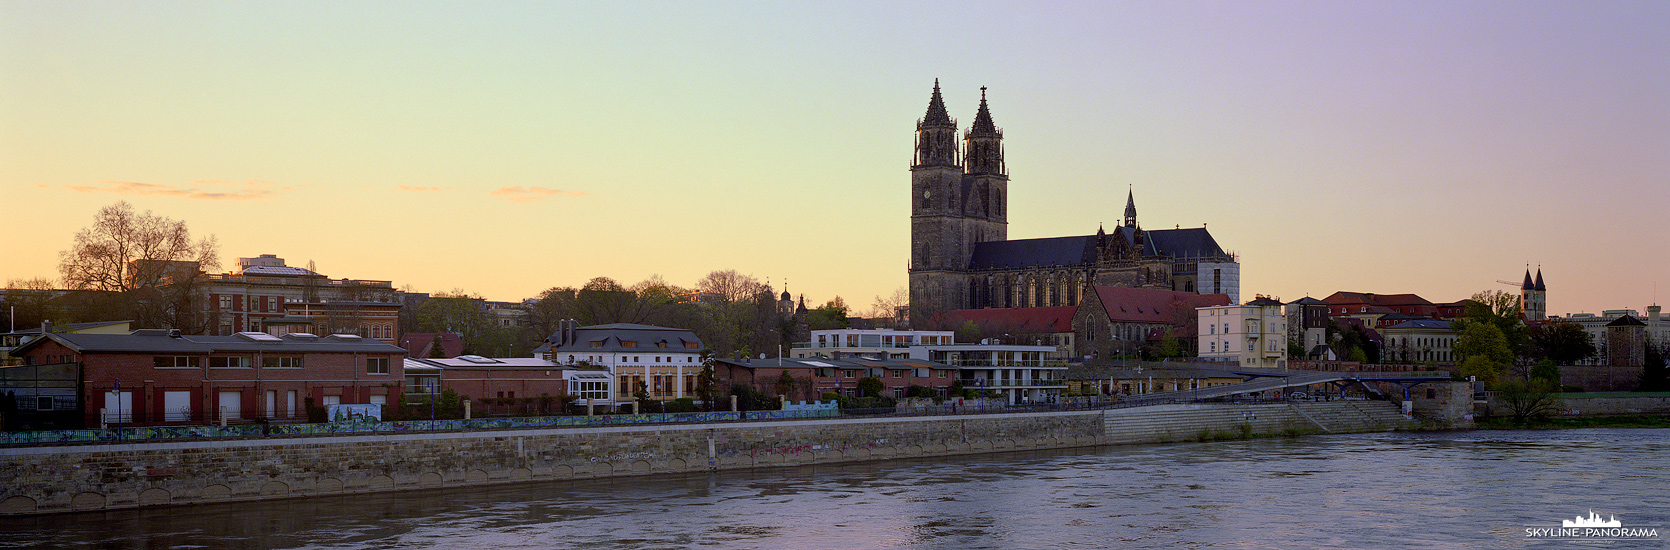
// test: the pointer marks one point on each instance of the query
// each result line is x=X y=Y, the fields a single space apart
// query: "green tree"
x=1527 y=399
x=1546 y=369
x=870 y=386
x=831 y=315
x=1483 y=351
x=1562 y=342
x=1500 y=310
x=969 y=333
x=1655 y=375
x=785 y=384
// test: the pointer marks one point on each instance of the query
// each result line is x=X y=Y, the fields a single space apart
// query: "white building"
x=1421 y=341
x=871 y=343
x=664 y=361
x=1020 y=373
x=1658 y=328
x=1252 y=335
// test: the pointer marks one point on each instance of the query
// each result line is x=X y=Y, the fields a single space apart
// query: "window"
x=276 y=362
x=596 y=343
x=628 y=343
x=661 y=344
x=689 y=345
x=43 y=403
x=942 y=373
x=229 y=362
x=172 y=362
x=658 y=359
x=898 y=374
x=225 y=302
x=376 y=365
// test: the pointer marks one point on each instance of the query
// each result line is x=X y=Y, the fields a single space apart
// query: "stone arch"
x=19 y=504
x=215 y=492
x=273 y=488
x=87 y=501
x=521 y=474
x=379 y=483
x=602 y=469
x=329 y=485
x=677 y=464
x=430 y=479
x=563 y=470
x=475 y=476
x=148 y=497
x=641 y=466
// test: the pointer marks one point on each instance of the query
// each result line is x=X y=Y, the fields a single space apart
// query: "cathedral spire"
x=983 y=125
x=936 y=110
x=983 y=143
x=1131 y=208
x=936 y=134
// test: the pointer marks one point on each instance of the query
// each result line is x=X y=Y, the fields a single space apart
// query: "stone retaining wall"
x=108 y=476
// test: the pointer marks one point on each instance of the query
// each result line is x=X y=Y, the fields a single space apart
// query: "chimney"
x=46 y=327
x=173 y=333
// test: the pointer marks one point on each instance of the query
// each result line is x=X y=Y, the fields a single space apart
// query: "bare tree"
x=888 y=307
x=124 y=251
x=148 y=263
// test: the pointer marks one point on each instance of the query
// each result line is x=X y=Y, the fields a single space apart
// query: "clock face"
x=927 y=194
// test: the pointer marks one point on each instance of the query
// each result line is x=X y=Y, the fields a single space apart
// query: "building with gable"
x=1120 y=321
x=663 y=361
x=962 y=258
x=1252 y=335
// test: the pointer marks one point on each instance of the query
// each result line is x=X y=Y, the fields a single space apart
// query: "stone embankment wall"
x=127 y=475
x=1578 y=405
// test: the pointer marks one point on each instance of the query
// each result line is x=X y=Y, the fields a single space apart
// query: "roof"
x=1264 y=301
x=1370 y=298
x=1015 y=319
x=417 y=343
x=1194 y=242
x=614 y=336
x=1149 y=305
x=1308 y=301
x=1422 y=324
x=1626 y=321
x=1033 y=252
x=271 y=270
x=842 y=363
x=479 y=362
x=159 y=341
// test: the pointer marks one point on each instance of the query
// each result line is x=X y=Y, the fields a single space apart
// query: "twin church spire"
x=936 y=135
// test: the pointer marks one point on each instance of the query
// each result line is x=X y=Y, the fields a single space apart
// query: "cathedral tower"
x=956 y=201
x=1533 y=298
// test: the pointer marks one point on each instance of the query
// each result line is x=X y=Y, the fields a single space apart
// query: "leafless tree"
x=149 y=263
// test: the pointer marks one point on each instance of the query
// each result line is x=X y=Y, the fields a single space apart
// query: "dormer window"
x=628 y=343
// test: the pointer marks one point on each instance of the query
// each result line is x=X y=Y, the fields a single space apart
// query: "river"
x=1477 y=489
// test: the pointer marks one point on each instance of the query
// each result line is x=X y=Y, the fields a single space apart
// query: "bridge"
x=1267 y=380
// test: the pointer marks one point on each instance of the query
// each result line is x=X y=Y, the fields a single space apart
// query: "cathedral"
x=961 y=256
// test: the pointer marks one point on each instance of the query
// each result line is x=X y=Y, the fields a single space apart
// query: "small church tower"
x=1533 y=298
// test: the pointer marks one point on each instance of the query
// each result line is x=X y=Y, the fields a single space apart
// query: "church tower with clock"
x=959 y=197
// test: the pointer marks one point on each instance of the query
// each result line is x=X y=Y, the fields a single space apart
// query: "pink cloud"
x=517 y=193
x=203 y=190
x=420 y=189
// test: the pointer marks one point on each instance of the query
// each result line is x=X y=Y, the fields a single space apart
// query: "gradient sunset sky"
x=505 y=148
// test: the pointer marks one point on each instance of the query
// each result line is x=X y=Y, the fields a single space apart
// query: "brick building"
x=1114 y=321
x=157 y=376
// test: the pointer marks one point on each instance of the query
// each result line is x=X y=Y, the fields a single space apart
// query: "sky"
x=503 y=148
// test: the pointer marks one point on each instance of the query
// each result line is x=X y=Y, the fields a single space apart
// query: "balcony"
x=1000 y=383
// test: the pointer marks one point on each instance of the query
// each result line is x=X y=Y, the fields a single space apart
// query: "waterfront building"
x=1420 y=341
x=264 y=292
x=868 y=343
x=1656 y=329
x=158 y=376
x=1307 y=324
x=809 y=379
x=962 y=258
x=12 y=340
x=1043 y=326
x=1252 y=335
x=507 y=378
x=662 y=361
x=1119 y=321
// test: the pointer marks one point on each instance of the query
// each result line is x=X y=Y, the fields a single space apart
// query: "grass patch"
x=1569 y=423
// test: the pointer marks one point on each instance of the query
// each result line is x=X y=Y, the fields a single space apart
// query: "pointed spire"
x=1539 y=286
x=936 y=109
x=983 y=120
x=1527 y=285
x=1131 y=208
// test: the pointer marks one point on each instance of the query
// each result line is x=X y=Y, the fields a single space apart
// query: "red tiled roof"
x=1024 y=320
x=1372 y=299
x=417 y=343
x=1147 y=305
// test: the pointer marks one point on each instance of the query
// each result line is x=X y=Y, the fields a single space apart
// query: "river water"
x=1478 y=489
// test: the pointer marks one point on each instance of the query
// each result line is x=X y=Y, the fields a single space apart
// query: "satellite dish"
x=762 y=355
